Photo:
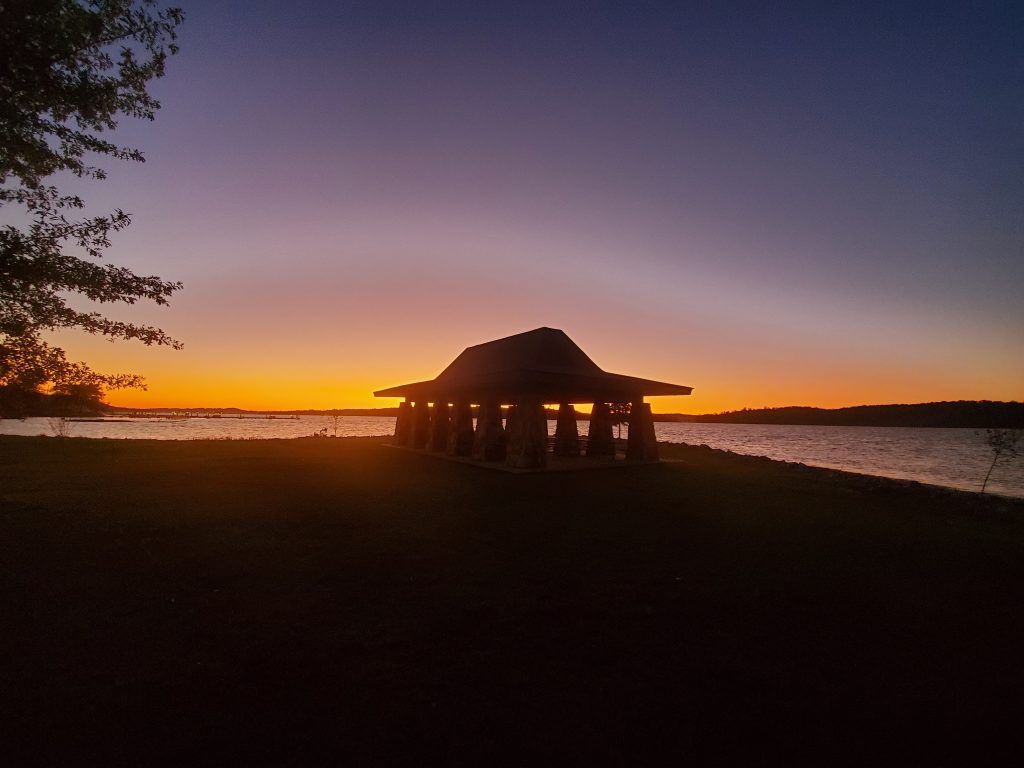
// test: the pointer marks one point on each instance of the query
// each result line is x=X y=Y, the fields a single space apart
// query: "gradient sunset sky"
x=775 y=203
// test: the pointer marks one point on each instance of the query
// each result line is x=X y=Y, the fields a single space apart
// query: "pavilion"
x=525 y=372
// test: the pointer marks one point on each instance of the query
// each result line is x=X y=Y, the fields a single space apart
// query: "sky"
x=774 y=203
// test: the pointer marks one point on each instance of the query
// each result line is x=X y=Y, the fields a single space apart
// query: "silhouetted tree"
x=69 y=69
x=1002 y=442
x=80 y=399
x=620 y=416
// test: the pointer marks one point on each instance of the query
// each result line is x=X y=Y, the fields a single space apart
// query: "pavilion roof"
x=543 y=363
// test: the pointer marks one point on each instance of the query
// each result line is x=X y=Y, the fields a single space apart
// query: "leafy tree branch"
x=69 y=70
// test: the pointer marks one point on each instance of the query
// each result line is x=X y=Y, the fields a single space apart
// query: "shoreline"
x=864 y=477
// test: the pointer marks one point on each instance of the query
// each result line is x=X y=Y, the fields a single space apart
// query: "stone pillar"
x=413 y=415
x=460 y=436
x=403 y=424
x=489 y=438
x=601 y=441
x=420 y=432
x=439 y=426
x=510 y=419
x=528 y=437
x=642 y=445
x=567 y=436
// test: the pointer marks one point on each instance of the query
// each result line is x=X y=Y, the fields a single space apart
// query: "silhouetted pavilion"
x=525 y=372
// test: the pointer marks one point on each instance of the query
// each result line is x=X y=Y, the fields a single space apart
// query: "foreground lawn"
x=303 y=601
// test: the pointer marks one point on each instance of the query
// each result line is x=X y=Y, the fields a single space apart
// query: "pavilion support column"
x=528 y=436
x=601 y=440
x=439 y=426
x=642 y=445
x=403 y=424
x=510 y=418
x=414 y=414
x=420 y=432
x=460 y=436
x=567 y=435
x=489 y=438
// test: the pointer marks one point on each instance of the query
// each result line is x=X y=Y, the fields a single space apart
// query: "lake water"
x=956 y=458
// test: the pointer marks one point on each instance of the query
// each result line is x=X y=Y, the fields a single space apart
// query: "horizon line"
x=662 y=413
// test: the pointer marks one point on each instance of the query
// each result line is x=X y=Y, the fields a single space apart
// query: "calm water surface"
x=957 y=458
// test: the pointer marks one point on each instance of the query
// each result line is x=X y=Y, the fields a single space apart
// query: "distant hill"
x=974 y=414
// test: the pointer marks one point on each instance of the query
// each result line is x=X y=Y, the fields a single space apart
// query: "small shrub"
x=60 y=426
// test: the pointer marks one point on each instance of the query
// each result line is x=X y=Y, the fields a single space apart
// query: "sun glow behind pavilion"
x=525 y=372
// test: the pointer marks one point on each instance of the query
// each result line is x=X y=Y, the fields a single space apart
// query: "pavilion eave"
x=546 y=386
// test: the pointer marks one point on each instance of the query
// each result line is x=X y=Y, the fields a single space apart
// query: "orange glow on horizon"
x=264 y=368
x=313 y=397
x=288 y=390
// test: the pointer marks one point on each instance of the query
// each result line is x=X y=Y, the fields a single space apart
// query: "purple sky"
x=771 y=203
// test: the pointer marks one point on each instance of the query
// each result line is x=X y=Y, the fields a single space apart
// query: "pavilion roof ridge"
x=542 y=362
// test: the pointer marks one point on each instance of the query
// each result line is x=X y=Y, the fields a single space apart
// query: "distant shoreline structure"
x=971 y=414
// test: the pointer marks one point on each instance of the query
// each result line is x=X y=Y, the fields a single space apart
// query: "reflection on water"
x=954 y=457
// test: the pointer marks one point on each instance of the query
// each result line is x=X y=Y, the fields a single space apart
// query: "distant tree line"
x=968 y=414
x=69 y=400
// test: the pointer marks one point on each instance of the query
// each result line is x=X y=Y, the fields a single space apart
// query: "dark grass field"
x=334 y=601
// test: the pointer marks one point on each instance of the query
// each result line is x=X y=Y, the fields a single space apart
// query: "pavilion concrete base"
x=554 y=463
